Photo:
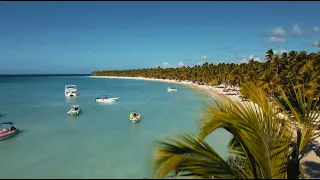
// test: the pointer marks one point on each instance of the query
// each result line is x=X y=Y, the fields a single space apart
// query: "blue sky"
x=80 y=37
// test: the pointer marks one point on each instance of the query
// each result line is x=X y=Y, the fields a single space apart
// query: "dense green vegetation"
x=276 y=71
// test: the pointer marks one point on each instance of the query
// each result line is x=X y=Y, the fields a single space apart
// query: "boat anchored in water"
x=172 y=89
x=71 y=91
x=7 y=133
x=106 y=99
x=135 y=116
x=74 y=111
x=3 y=114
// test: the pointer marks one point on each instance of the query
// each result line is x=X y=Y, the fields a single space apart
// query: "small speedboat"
x=75 y=110
x=6 y=132
x=3 y=114
x=135 y=116
x=71 y=91
x=106 y=99
x=171 y=89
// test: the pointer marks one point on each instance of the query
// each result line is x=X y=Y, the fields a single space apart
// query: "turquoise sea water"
x=101 y=142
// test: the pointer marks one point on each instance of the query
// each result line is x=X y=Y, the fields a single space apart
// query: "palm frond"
x=256 y=127
x=191 y=157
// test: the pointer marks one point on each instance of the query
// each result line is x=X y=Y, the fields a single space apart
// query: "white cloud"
x=296 y=30
x=279 y=52
x=237 y=57
x=204 y=58
x=314 y=44
x=316 y=29
x=180 y=64
x=166 y=65
x=256 y=58
x=244 y=60
x=275 y=40
x=251 y=56
x=283 y=51
x=278 y=31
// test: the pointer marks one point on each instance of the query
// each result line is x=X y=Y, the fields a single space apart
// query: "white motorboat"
x=135 y=116
x=106 y=99
x=75 y=110
x=172 y=89
x=71 y=91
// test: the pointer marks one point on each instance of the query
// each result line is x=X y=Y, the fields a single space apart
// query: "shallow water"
x=101 y=142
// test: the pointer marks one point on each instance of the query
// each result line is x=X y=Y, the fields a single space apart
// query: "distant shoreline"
x=142 y=78
x=40 y=75
x=210 y=90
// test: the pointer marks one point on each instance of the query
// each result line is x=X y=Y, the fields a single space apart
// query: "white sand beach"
x=214 y=91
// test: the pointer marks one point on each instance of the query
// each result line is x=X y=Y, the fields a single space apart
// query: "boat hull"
x=135 y=119
x=71 y=94
x=73 y=113
x=10 y=134
x=100 y=100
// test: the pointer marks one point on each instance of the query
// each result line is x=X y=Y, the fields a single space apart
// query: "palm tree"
x=293 y=66
x=269 y=56
x=263 y=143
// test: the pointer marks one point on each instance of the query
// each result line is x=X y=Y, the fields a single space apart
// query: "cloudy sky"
x=79 y=37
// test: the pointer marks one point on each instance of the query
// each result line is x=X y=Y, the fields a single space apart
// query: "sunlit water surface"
x=101 y=142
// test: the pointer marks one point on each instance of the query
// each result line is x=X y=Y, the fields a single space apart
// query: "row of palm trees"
x=276 y=71
x=265 y=144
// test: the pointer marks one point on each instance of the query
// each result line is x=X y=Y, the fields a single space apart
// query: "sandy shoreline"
x=215 y=92
x=211 y=90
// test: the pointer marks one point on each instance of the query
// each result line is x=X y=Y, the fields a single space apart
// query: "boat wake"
x=106 y=103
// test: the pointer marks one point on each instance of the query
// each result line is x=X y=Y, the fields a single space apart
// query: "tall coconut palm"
x=269 y=56
x=261 y=146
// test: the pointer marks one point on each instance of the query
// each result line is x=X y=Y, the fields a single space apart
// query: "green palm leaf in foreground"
x=303 y=114
x=260 y=147
x=190 y=156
